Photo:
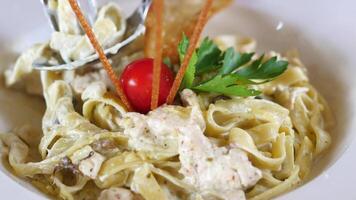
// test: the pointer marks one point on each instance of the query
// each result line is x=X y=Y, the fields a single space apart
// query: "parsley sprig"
x=230 y=72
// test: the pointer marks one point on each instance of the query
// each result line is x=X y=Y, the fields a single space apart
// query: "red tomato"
x=136 y=81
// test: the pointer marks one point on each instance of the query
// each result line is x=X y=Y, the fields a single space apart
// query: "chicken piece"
x=155 y=133
x=88 y=161
x=158 y=131
x=211 y=169
x=180 y=16
x=91 y=166
x=205 y=166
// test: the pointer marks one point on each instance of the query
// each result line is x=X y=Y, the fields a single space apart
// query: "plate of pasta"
x=225 y=99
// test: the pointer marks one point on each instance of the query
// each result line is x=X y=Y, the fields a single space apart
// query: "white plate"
x=324 y=31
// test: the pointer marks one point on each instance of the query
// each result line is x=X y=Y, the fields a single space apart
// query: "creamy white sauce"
x=115 y=193
x=223 y=171
x=79 y=83
x=94 y=90
x=208 y=168
x=149 y=134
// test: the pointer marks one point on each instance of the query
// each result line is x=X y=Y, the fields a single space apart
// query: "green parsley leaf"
x=183 y=47
x=226 y=84
x=211 y=70
x=265 y=71
x=189 y=75
x=233 y=60
x=209 y=57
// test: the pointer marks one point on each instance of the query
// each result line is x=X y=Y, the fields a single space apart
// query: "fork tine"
x=93 y=5
x=137 y=28
x=89 y=5
x=51 y=15
x=90 y=9
x=138 y=15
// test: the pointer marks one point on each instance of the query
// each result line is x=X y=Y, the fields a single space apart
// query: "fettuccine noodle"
x=208 y=148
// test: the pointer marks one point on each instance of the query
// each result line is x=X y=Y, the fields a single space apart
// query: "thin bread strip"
x=203 y=18
x=107 y=66
x=180 y=16
x=158 y=8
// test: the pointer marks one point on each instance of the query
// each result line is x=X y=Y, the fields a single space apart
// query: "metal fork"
x=135 y=27
x=90 y=10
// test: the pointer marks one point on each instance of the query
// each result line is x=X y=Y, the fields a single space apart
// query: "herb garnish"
x=231 y=73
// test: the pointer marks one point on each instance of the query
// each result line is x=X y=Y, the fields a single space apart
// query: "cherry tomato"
x=136 y=81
